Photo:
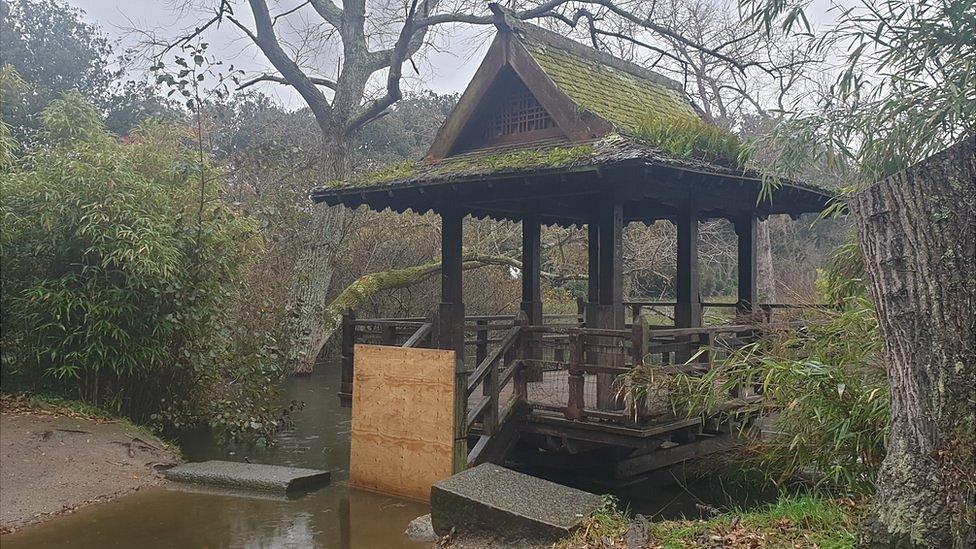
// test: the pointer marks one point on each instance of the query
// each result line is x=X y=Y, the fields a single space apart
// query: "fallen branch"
x=368 y=285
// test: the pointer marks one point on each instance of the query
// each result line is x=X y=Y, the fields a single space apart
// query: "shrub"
x=825 y=399
x=120 y=265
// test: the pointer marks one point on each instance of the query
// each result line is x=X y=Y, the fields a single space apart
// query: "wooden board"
x=402 y=420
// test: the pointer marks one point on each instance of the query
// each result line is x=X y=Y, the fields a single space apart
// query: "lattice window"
x=520 y=112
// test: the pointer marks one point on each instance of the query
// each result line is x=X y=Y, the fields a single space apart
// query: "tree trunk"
x=917 y=231
x=765 y=276
x=308 y=327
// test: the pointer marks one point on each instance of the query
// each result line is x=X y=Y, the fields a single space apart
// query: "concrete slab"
x=249 y=476
x=490 y=499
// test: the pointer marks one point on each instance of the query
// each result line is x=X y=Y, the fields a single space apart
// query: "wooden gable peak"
x=511 y=100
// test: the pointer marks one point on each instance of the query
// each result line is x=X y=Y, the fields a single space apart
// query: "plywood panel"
x=402 y=420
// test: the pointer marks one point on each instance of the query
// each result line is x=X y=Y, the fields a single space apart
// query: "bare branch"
x=265 y=39
x=289 y=12
x=281 y=80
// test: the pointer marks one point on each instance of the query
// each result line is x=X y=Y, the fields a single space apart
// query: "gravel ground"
x=51 y=464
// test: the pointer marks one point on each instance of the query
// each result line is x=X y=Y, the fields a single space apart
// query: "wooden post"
x=481 y=347
x=748 y=289
x=450 y=329
x=687 y=311
x=574 y=403
x=522 y=351
x=592 y=264
x=635 y=312
x=639 y=334
x=347 y=347
x=611 y=309
x=490 y=420
x=388 y=335
x=532 y=286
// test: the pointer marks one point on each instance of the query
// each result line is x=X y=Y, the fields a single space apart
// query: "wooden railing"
x=770 y=310
x=559 y=367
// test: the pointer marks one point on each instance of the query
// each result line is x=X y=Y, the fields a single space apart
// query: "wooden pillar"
x=592 y=272
x=687 y=311
x=450 y=329
x=610 y=293
x=748 y=288
x=532 y=286
x=532 y=270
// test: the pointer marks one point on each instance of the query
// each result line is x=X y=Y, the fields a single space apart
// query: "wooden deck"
x=549 y=392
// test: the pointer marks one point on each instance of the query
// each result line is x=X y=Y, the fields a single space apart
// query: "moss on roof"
x=649 y=111
x=526 y=157
x=624 y=99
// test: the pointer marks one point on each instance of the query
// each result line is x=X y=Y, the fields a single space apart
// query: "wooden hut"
x=552 y=132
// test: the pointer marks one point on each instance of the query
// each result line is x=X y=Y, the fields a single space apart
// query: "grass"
x=607 y=522
x=795 y=521
x=792 y=521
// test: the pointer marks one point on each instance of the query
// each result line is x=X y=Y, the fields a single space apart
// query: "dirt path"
x=52 y=463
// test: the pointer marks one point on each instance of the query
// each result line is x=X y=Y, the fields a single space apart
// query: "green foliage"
x=120 y=268
x=54 y=51
x=686 y=137
x=606 y=523
x=906 y=90
x=844 y=274
x=824 y=396
x=801 y=520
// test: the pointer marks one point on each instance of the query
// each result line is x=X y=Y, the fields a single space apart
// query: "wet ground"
x=335 y=516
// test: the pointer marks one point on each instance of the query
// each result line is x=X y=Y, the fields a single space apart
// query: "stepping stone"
x=490 y=499
x=249 y=476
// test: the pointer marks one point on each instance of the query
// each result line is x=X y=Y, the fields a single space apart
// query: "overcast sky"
x=446 y=69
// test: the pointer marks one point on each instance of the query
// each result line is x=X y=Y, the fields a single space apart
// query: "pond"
x=336 y=516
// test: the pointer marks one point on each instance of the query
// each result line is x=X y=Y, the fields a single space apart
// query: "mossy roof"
x=540 y=157
x=653 y=122
x=625 y=94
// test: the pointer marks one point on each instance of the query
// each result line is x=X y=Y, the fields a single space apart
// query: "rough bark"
x=766 y=276
x=308 y=329
x=917 y=231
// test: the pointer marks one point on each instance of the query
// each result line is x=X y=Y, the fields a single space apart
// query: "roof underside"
x=561 y=180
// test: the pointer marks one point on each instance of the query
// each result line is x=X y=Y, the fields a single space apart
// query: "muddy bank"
x=53 y=462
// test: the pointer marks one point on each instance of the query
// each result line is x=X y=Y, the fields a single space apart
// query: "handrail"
x=479 y=373
x=420 y=335
x=731 y=304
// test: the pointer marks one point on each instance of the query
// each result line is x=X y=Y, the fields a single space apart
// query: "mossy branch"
x=366 y=286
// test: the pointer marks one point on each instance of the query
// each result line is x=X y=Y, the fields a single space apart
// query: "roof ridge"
x=525 y=30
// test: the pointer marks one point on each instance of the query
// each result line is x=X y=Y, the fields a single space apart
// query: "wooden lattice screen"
x=519 y=112
x=509 y=114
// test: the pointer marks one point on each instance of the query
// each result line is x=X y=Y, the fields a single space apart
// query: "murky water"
x=336 y=516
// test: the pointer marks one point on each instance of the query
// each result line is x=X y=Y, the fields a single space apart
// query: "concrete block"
x=249 y=476
x=495 y=501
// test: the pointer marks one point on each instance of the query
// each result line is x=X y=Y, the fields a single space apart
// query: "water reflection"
x=335 y=516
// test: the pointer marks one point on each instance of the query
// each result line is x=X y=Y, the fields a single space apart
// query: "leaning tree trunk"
x=917 y=231
x=307 y=323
